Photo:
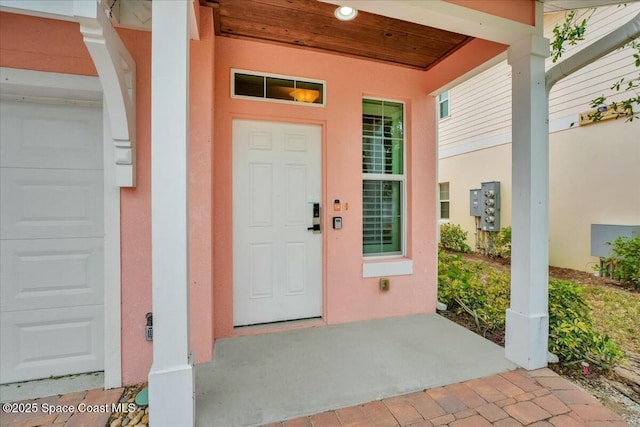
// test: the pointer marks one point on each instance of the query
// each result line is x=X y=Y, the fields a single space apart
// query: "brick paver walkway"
x=518 y=398
x=82 y=409
x=538 y=398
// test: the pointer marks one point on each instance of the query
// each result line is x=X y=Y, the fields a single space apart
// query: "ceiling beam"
x=446 y=16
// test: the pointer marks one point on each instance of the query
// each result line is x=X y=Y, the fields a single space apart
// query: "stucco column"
x=527 y=328
x=171 y=380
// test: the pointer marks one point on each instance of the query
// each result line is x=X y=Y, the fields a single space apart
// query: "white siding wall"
x=481 y=107
x=480 y=111
x=593 y=169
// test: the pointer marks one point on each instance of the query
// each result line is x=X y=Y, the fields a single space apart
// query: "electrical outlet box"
x=601 y=234
x=385 y=284
x=490 y=215
x=475 y=202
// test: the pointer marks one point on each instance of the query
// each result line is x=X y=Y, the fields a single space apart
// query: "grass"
x=615 y=312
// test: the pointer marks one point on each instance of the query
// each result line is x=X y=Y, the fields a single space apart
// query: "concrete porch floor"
x=409 y=372
x=260 y=379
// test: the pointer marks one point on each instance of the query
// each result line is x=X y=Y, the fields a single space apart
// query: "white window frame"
x=403 y=192
x=235 y=71
x=441 y=200
x=442 y=98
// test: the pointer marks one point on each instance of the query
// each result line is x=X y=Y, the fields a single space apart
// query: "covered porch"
x=185 y=121
x=265 y=378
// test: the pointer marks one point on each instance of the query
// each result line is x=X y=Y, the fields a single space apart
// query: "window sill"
x=398 y=267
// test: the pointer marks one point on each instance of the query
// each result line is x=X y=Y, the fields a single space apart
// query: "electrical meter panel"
x=490 y=203
x=475 y=202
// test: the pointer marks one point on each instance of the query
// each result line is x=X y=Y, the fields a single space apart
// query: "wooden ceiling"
x=311 y=24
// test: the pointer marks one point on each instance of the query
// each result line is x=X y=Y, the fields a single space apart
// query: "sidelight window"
x=383 y=177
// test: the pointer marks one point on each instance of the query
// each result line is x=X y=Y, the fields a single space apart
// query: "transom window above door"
x=277 y=88
x=383 y=177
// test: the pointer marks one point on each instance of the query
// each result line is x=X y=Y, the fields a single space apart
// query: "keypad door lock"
x=148 y=330
x=315 y=227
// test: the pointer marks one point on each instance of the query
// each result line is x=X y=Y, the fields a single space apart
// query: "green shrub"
x=476 y=289
x=626 y=259
x=496 y=244
x=454 y=238
x=501 y=244
x=571 y=334
x=483 y=293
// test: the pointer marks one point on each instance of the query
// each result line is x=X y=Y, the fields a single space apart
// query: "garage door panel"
x=39 y=136
x=48 y=273
x=49 y=203
x=51 y=239
x=42 y=343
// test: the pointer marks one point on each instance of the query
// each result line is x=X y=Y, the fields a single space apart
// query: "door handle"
x=315 y=220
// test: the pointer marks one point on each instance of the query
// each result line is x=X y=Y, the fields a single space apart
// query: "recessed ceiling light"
x=345 y=13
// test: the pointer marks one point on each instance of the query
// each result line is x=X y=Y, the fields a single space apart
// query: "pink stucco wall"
x=465 y=59
x=56 y=46
x=135 y=225
x=200 y=188
x=347 y=296
x=43 y=45
x=136 y=207
x=51 y=45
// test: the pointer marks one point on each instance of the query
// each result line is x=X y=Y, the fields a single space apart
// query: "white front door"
x=51 y=240
x=277 y=261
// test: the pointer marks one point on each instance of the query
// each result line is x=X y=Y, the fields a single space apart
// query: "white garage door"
x=51 y=240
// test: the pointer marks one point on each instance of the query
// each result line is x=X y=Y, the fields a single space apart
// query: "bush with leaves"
x=483 y=293
x=474 y=288
x=571 y=334
x=626 y=259
x=501 y=244
x=454 y=238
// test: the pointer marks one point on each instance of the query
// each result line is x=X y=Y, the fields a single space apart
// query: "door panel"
x=296 y=190
x=277 y=261
x=53 y=137
x=51 y=240
x=261 y=269
x=47 y=273
x=296 y=256
x=260 y=199
x=58 y=341
x=51 y=203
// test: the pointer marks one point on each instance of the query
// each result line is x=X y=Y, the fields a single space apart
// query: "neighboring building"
x=594 y=169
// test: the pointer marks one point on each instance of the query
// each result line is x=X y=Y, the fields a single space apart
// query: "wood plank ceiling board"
x=310 y=24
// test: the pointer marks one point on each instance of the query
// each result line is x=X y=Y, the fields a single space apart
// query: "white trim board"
x=475 y=145
x=387 y=268
x=66 y=88
x=39 y=84
x=112 y=270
